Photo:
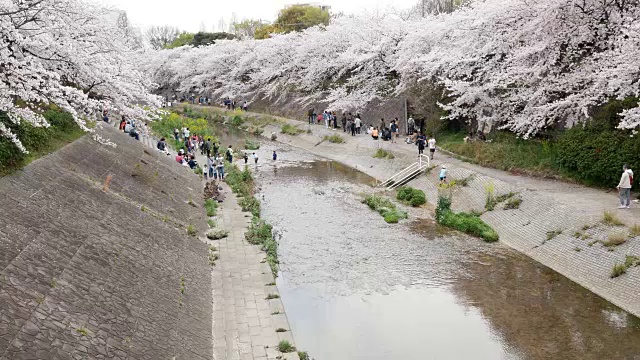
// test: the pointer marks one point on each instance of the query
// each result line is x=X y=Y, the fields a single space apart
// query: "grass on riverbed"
x=386 y=208
x=469 y=223
x=336 y=139
x=211 y=206
x=289 y=129
x=383 y=154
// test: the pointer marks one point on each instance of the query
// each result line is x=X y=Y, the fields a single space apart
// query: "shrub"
x=393 y=216
x=211 y=206
x=513 y=203
x=39 y=141
x=250 y=204
x=469 y=224
x=617 y=270
x=336 y=139
x=490 y=202
x=385 y=208
x=217 y=233
x=553 y=234
x=290 y=129
x=303 y=355
x=285 y=346
x=615 y=240
x=635 y=230
x=236 y=120
x=251 y=145
x=405 y=193
x=411 y=196
x=610 y=219
x=383 y=154
x=191 y=230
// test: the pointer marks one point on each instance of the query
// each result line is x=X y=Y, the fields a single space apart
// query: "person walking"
x=335 y=120
x=624 y=187
x=255 y=158
x=421 y=141
x=358 y=123
x=275 y=155
x=343 y=120
x=443 y=174
x=432 y=147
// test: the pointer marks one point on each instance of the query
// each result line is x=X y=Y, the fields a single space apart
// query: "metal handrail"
x=398 y=174
x=407 y=172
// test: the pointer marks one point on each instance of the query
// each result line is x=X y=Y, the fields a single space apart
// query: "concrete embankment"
x=558 y=224
x=93 y=274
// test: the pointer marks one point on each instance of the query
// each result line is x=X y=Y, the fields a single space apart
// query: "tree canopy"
x=521 y=66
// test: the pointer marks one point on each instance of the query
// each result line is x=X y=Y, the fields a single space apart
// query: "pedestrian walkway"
x=247 y=309
x=244 y=319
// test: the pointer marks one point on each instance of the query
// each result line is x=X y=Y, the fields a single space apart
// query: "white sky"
x=190 y=15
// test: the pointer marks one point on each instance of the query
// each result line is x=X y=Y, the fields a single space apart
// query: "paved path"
x=244 y=321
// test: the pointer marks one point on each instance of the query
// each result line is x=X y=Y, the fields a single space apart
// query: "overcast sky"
x=191 y=15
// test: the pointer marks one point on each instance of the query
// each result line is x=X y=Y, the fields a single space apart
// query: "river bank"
x=557 y=224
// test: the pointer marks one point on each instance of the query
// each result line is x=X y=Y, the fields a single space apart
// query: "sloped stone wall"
x=88 y=274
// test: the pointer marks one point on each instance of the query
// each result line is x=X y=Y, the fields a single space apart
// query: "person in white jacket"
x=624 y=187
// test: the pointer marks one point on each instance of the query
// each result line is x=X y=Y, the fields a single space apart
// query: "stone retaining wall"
x=87 y=274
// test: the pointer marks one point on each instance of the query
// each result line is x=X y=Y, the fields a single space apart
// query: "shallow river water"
x=355 y=287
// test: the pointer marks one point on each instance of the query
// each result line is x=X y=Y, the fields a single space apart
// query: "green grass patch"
x=285 y=346
x=303 y=355
x=166 y=125
x=608 y=218
x=336 y=139
x=411 y=196
x=289 y=129
x=553 y=234
x=386 y=208
x=261 y=233
x=39 y=141
x=250 y=204
x=615 y=240
x=469 y=224
x=191 y=230
x=617 y=270
x=383 y=154
x=513 y=203
x=251 y=145
x=211 y=206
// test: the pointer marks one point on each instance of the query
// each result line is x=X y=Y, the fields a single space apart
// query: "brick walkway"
x=244 y=321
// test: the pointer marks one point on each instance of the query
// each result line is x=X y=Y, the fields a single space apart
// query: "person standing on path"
x=311 y=115
x=211 y=164
x=443 y=174
x=230 y=154
x=255 y=158
x=421 y=140
x=358 y=123
x=275 y=155
x=394 y=131
x=382 y=124
x=344 y=122
x=624 y=187
x=220 y=167
x=432 y=147
x=411 y=124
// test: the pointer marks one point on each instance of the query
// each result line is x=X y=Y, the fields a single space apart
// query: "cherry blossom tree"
x=521 y=65
x=68 y=53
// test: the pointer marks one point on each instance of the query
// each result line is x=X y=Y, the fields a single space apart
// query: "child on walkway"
x=443 y=174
